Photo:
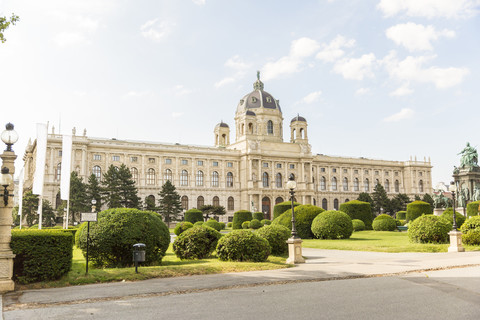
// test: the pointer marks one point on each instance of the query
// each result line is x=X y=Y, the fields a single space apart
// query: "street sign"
x=88 y=216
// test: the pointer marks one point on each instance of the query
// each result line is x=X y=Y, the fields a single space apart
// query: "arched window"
x=185 y=203
x=377 y=182
x=270 y=127
x=397 y=186
x=184 y=178
x=151 y=176
x=334 y=184
x=314 y=201
x=324 y=204
x=278 y=200
x=323 y=183
x=230 y=180
x=345 y=184
x=97 y=171
x=58 y=172
x=335 y=204
x=278 y=180
x=151 y=198
x=265 y=179
x=366 y=185
x=58 y=201
x=216 y=201
x=420 y=185
x=199 y=181
x=302 y=133
x=134 y=173
x=387 y=185
x=250 y=128
x=230 y=203
x=356 y=186
x=167 y=175
x=200 y=202
x=215 y=179
x=346 y=200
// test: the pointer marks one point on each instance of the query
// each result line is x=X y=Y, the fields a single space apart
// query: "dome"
x=258 y=98
x=222 y=124
x=298 y=118
x=250 y=113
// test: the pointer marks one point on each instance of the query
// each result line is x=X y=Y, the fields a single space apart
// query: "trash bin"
x=138 y=254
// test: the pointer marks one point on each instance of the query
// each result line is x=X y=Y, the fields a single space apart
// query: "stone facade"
x=250 y=173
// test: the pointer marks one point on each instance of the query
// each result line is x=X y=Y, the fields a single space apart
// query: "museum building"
x=248 y=174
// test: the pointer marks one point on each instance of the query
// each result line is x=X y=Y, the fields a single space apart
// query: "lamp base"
x=455 y=241
x=295 y=251
x=6 y=272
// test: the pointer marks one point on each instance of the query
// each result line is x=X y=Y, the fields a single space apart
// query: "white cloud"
x=67 y=39
x=156 y=30
x=362 y=91
x=312 y=97
x=180 y=90
x=303 y=47
x=224 y=82
x=199 y=2
x=402 y=91
x=333 y=50
x=237 y=63
x=430 y=8
x=177 y=114
x=405 y=113
x=416 y=36
x=356 y=68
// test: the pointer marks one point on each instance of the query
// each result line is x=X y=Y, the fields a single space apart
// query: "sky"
x=383 y=79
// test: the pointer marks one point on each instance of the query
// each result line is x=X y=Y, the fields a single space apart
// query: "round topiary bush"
x=181 y=227
x=255 y=224
x=459 y=218
x=222 y=225
x=196 y=243
x=246 y=225
x=243 y=245
x=240 y=217
x=281 y=207
x=384 y=222
x=212 y=223
x=358 y=225
x=266 y=222
x=277 y=236
x=258 y=215
x=193 y=215
x=472 y=208
x=117 y=230
x=198 y=223
x=429 y=229
x=401 y=215
x=229 y=224
x=332 y=225
x=416 y=209
x=304 y=215
x=471 y=224
x=358 y=210
x=472 y=237
x=398 y=222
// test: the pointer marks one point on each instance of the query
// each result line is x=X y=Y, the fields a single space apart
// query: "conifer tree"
x=119 y=189
x=169 y=202
x=78 y=198
x=380 y=199
x=94 y=191
x=149 y=204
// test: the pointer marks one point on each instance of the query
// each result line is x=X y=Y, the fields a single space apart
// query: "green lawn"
x=380 y=241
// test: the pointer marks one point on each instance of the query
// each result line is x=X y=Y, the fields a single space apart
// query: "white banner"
x=40 y=160
x=66 y=167
x=20 y=192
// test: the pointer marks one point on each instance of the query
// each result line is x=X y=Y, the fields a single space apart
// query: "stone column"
x=6 y=254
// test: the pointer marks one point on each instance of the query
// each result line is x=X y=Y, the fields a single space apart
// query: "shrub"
x=401 y=215
x=41 y=255
x=416 y=209
x=471 y=224
x=196 y=243
x=246 y=225
x=222 y=226
x=398 y=222
x=304 y=215
x=229 y=224
x=358 y=210
x=459 y=218
x=117 y=230
x=472 y=209
x=429 y=229
x=281 y=207
x=332 y=225
x=243 y=245
x=198 y=223
x=266 y=222
x=277 y=236
x=181 y=227
x=472 y=237
x=240 y=217
x=384 y=222
x=403 y=222
x=212 y=223
x=255 y=224
x=358 y=225
x=258 y=215
x=193 y=215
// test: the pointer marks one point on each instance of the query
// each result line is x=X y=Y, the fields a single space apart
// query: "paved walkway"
x=321 y=265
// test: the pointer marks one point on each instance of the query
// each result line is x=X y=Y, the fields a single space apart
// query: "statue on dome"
x=469 y=157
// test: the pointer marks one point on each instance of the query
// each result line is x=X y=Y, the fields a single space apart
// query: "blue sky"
x=384 y=79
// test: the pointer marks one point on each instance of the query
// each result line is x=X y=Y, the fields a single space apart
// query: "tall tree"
x=29 y=208
x=206 y=210
x=48 y=214
x=399 y=202
x=169 y=202
x=119 y=189
x=78 y=198
x=417 y=197
x=149 y=204
x=94 y=191
x=5 y=23
x=365 y=197
x=380 y=199
x=428 y=198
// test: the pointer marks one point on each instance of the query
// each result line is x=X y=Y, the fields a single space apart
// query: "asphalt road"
x=446 y=294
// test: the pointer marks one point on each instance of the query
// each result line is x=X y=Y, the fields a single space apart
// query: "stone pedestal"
x=438 y=211
x=455 y=242
x=295 y=251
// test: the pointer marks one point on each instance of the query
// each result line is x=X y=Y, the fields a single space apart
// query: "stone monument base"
x=455 y=241
x=295 y=251
x=6 y=271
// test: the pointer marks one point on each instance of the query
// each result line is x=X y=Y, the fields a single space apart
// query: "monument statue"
x=440 y=200
x=469 y=157
x=476 y=193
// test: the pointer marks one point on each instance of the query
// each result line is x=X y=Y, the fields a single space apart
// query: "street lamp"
x=9 y=136
x=455 y=235
x=292 y=185
x=453 y=189
x=294 y=242
x=5 y=180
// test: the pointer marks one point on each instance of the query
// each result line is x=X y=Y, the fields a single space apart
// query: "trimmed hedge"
x=117 y=230
x=472 y=209
x=358 y=210
x=277 y=236
x=358 y=225
x=459 y=218
x=193 y=215
x=471 y=224
x=222 y=225
x=332 y=224
x=41 y=255
x=304 y=215
x=281 y=207
x=472 y=237
x=258 y=215
x=266 y=222
x=401 y=215
x=416 y=209
x=181 y=227
x=246 y=225
x=212 y=223
x=196 y=243
x=429 y=229
x=255 y=224
x=384 y=222
x=240 y=217
x=198 y=223
x=229 y=224
x=243 y=245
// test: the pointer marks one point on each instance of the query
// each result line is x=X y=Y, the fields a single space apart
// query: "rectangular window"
x=184 y=162
x=322 y=169
x=97 y=157
x=386 y=173
x=292 y=166
x=168 y=161
x=151 y=160
x=215 y=163
x=366 y=171
x=265 y=164
x=229 y=164
x=376 y=173
x=133 y=159
x=199 y=163
x=421 y=173
x=334 y=170
x=115 y=158
x=59 y=153
x=396 y=173
x=344 y=170
x=355 y=171
x=279 y=166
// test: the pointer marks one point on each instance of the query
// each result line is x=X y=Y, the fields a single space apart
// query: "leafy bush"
x=472 y=208
x=398 y=222
x=358 y=225
x=246 y=225
x=332 y=225
x=243 y=245
x=403 y=222
x=471 y=224
x=196 y=243
x=229 y=224
x=181 y=227
x=258 y=215
x=117 y=230
x=277 y=236
x=255 y=224
x=401 y=215
x=429 y=229
x=266 y=222
x=222 y=225
x=472 y=237
x=358 y=210
x=198 y=223
x=384 y=222
x=240 y=217
x=304 y=215
x=212 y=223
x=416 y=209
x=281 y=207
x=459 y=218
x=41 y=255
x=193 y=215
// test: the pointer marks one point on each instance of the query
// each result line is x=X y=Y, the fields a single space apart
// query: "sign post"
x=87 y=217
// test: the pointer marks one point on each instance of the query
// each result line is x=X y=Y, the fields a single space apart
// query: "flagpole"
x=40 y=216
x=68 y=211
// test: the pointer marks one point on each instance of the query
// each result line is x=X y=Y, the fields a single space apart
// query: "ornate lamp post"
x=9 y=137
x=294 y=242
x=455 y=235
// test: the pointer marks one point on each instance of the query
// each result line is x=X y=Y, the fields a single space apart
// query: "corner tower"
x=298 y=130
x=222 y=134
